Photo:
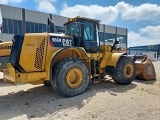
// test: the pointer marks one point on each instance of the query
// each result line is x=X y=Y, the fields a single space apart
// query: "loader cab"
x=84 y=32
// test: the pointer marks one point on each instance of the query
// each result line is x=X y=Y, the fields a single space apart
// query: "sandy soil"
x=103 y=101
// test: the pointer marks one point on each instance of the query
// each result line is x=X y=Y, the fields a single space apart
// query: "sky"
x=140 y=17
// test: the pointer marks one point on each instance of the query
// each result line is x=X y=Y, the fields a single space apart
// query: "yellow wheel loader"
x=68 y=60
x=5 y=50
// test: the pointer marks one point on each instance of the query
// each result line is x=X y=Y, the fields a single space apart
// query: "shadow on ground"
x=145 y=81
x=42 y=100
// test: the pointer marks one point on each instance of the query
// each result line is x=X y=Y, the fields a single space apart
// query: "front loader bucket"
x=144 y=68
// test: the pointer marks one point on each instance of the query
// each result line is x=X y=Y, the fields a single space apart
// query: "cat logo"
x=66 y=42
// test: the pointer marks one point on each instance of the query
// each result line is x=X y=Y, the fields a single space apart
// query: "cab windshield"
x=88 y=30
x=73 y=29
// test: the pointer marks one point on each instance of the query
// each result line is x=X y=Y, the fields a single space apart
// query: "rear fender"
x=62 y=54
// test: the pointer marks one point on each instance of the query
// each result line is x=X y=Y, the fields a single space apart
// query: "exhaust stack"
x=51 y=25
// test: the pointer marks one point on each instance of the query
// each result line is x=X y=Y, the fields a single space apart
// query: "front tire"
x=70 y=77
x=125 y=71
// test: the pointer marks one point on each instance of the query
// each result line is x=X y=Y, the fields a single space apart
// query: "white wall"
x=34 y=16
x=11 y=12
x=6 y=37
x=151 y=55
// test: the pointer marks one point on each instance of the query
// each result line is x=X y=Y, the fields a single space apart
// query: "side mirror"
x=117 y=42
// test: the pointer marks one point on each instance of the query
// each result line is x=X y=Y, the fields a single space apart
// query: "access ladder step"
x=96 y=78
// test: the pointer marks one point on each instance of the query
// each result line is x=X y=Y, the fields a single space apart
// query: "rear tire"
x=70 y=77
x=125 y=71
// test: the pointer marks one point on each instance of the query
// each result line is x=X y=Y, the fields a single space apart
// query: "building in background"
x=19 y=20
x=152 y=51
x=0 y=21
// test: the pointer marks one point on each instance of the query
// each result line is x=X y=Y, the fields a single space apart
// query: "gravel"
x=106 y=100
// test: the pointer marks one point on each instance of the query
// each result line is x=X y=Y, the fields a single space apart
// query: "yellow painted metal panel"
x=109 y=58
x=12 y=76
x=33 y=52
x=5 y=48
x=59 y=54
x=9 y=74
x=33 y=76
x=113 y=59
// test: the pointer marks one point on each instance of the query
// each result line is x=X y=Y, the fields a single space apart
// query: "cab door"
x=89 y=34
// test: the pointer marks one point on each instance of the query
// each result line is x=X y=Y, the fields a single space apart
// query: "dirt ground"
x=102 y=101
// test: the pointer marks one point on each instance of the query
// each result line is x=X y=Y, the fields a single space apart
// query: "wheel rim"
x=74 y=78
x=128 y=70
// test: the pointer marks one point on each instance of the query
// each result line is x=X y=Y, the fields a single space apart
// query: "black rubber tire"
x=110 y=70
x=59 y=77
x=118 y=74
x=47 y=83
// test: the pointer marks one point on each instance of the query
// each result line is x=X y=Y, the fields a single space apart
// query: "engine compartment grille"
x=39 y=54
